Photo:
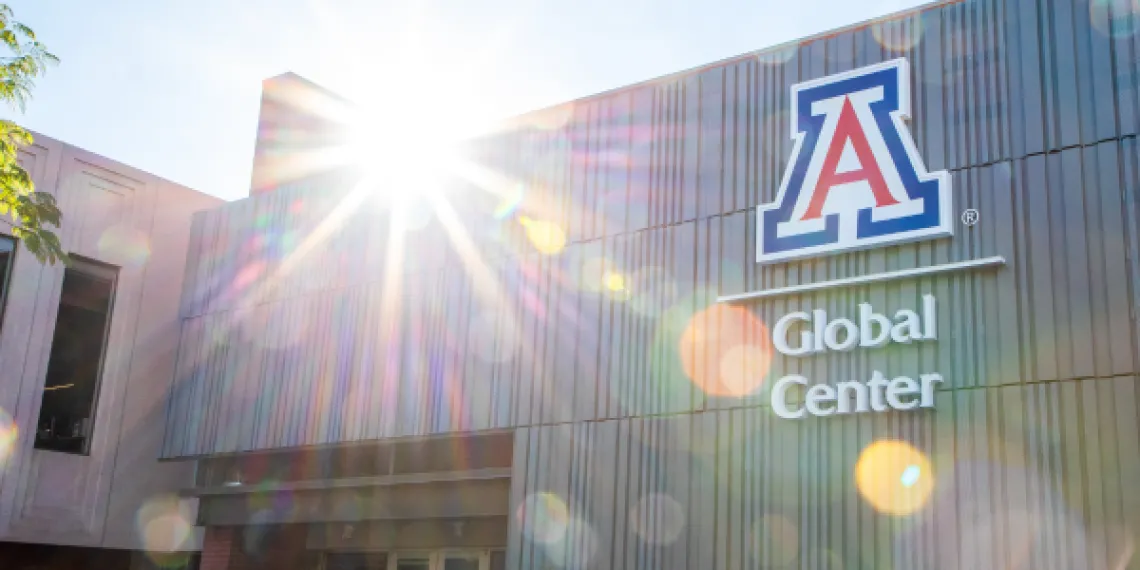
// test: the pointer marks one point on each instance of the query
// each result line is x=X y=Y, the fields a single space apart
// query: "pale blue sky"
x=172 y=86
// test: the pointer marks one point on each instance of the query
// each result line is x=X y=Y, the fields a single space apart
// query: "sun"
x=402 y=154
x=402 y=142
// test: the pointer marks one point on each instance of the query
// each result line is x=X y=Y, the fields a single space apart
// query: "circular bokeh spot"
x=164 y=526
x=725 y=351
x=615 y=281
x=894 y=477
x=594 y=273
x=9 y=433
x=1115 y=18
x=124 y=244
x=778 y=56
x=544 y=517
x=576 y=548
x=546 y=237
x=898 y=35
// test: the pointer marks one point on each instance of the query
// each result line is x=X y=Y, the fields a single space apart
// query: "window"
x=356 y=561
x=76 y=360
x=7 y=256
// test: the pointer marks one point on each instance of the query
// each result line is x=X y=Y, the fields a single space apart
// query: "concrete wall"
x=122 y=216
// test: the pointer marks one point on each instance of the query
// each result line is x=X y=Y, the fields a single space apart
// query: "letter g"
x=780 y=335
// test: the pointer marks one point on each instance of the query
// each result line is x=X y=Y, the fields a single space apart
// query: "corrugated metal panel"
x=1031 y=104
x=447 y=356
x=1036 y=476
x=716 y=141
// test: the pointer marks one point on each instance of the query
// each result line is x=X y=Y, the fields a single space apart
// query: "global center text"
x=802 y=334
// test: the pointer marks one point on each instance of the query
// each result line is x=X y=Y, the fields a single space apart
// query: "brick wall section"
x=219 y=546
x=281 y=548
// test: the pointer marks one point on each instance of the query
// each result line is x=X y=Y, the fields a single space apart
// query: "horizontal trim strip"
x=864 y=279
x=351 y=482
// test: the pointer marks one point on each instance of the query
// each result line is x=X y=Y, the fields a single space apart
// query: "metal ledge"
x=865 y=279
x=354 y=482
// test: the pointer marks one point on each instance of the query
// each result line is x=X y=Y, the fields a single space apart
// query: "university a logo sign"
x=855 y=179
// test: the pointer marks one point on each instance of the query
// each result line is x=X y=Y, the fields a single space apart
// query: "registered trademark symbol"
x=970 y=216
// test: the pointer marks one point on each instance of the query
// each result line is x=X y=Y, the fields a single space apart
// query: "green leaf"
x=31 y=212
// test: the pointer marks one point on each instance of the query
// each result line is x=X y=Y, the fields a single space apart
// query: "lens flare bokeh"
x=124 y=243
x=9 y=434
x=576 y=548
x=1117 y=19
x=898 y=35
x=546 y=237
x=594 y=274
x=164 y=527
x=509 y=202
x=615 y=281
x=726 y=351
x=544 y=517
x=779 y=56
x=894 y=477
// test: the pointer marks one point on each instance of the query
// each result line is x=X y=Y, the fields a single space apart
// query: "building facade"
x=863 y=300
x=87 y=353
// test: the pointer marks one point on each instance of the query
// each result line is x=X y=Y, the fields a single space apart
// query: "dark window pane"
x=7 y=254
x=413 y=563
x=356 y=561
x=76 y=359
x=461 y=563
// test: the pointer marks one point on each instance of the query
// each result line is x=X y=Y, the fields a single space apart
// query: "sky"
x=172 y=87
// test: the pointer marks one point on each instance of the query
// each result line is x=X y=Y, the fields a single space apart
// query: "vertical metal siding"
x=1030 y=105
x=1035 y=476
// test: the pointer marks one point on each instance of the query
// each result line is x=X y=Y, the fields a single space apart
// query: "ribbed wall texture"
x=1032 y=476
x=309 y=319
x=644 y=436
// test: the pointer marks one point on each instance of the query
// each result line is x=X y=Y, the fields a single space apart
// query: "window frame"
x=99 y=270
x=7 y=281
